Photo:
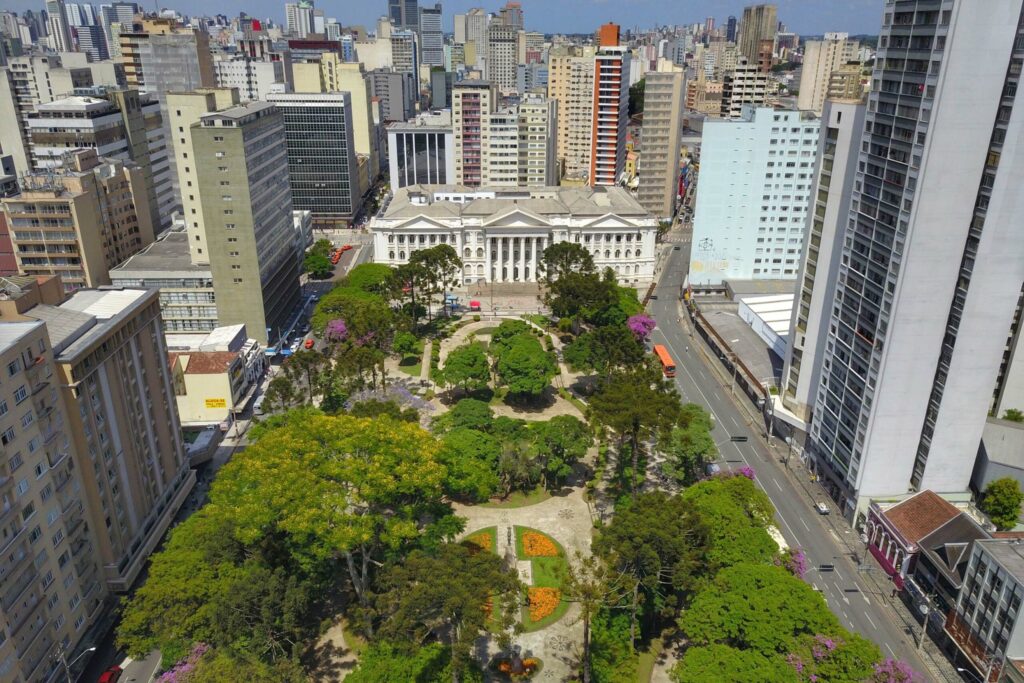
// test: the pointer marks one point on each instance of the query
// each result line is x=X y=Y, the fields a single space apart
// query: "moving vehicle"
x=110 y=675
x=668 y=366
x=345 y=248
x=257 y=406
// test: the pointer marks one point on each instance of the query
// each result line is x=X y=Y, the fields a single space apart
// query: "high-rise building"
x=847 y=82
x=502 y=51
x=394 y=93
x=80 y=221
x=322 y=164
x=32 y=80
x=538 y=135
x=931 y=268
x=836 y=162
x=404 y=14
x=661 y=139
x=91 y=41
x=610 y=108
x=746 y=85
x=441 y=84
x=760 y=22
x=571 y=85
x=431 y=36
x=57 y=27
x=472 y=104
x=730 y=29
x=161 y=56
x=255 y=79
x=511 y=15
x=52 y=589
x=476 y=22
x=422 y=152
x=118 y=124
x=121 y=13
x=822 y=58
x=405 y=53
x=755 y=185
x=238 y=158
x=529 y=47
x=298 y=18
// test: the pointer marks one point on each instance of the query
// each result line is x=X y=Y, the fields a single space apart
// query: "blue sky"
x=570 y=16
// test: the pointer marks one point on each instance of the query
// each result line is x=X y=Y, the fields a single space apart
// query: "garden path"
x=567 y=519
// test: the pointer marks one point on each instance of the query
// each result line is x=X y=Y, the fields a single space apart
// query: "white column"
x=487 y=258
x=498 y=277
x=522 y=259
x=534 y=245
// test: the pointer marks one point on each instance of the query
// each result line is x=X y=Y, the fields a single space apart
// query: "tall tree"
x=658 y=541
x=636 y=404
x=466 y=367
x=450 y=594
x=1001 y=502
x=594 y=585
x=562 y=258
x=736 y=514
x=604 y=349
x=471 y=459
x=558 y=445
x=525 y=367
x=306 y=371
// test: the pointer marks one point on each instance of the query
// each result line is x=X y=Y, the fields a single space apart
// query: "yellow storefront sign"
x=216 y=403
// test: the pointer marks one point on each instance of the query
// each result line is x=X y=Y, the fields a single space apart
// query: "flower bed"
x=538 y=545
x=544 y=600
x=485 y=539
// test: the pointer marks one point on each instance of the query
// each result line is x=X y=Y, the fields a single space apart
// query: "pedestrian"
x=894 y=592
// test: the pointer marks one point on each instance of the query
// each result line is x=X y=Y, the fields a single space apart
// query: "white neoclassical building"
x=500 y=233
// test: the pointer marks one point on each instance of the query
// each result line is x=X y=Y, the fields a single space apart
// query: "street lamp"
x=62 y=657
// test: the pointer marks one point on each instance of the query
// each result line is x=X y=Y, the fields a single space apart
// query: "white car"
x=821 y=508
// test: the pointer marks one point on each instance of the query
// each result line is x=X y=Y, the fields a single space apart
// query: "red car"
x=309 y=343
x=110 y=675
x=346 y=248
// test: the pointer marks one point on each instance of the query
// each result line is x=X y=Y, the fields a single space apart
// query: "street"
x=860 y=608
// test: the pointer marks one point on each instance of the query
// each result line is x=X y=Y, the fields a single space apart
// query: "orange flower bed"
x=543 y=602
x=482 y=540
x=538 y=545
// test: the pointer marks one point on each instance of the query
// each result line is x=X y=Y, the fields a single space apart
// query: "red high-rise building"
x=611 y=100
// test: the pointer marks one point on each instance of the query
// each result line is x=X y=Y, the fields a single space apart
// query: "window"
x=59 y=623
x=3 y=407
x=20 y=394
x=7 y=436
x=63 y=559
x=15 y=462
x=14 y=367
x=28 y=511
x=57 y=537
x=79 y=621
x=52 y=516
x=34 y=535
x=27 y=419
x=73 y=602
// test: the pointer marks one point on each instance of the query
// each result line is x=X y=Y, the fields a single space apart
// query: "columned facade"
x=502 y=239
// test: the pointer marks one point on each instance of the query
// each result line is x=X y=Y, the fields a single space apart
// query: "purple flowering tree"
x=895 y=671
x=336 y=330
x=641 y=325
x=795 y=560
x=182 y=671
x=746 y=471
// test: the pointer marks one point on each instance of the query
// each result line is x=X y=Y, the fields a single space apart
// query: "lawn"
x=411 y=365
x=548 y=572
x=541 y=321
x=519 y=499
x=486 y=538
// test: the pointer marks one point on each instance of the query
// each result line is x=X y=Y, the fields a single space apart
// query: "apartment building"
x=31 y=80
x=822 y=58
x=472 y=104
x=661 y=141
x=118 y=124
x=422 y=152
x=81 y=220
x=571 y=85
x=395 y=92
x=746 y=85
x=160 y=55
x=756 y=176
x=848 y=82
x=255 y=79
x=538 y=133
x=919 y=328
x=322 y=166
x=842 y=123
x=51 y=589
x=610 y=108
x=502 y=52
x=122 y=423
x=431 y=36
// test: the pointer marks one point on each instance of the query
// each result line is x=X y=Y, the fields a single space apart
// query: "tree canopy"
x=466 y=367
x=1001 y=502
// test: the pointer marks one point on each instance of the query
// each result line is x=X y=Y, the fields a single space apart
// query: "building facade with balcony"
x=610 y=108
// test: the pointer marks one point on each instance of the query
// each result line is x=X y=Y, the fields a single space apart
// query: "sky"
x=807 y=17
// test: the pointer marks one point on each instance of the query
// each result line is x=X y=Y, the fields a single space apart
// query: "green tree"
x=843 y=657
x=466 y=367
x=437 y=269
x=636 y=97
x=369 y=319
x=604 y=349
x=306 y=370
x=636 y=404
x=688 y=450
x=714 y=663
x=613 y=657
x=390 y=663
x=377 y=408
x=1013 y=415
x=517 y=469
x=471 y=458
x=593 y=585
x=525 y=367
x=558 y=445
x=450 y=594
x=562 y=258
x=469 y=413
x=508 y=330
x=1001 y=502
x=221 y=666
x=757 y=607
x=341 y=487
x=318 y=266
x=370 y=277
x=405 y=344
x=736 y=515
x=281 y=395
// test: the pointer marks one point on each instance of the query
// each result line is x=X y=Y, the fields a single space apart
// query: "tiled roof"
x=206 y=362
x=919 y=515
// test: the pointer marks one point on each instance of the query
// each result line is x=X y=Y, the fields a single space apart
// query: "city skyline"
x=806 y=17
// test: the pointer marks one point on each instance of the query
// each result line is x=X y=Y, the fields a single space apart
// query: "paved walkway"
x=334 y=659
x=425 y=363
x=566 y=518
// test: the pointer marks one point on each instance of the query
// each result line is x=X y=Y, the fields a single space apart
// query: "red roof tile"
x=919 y=515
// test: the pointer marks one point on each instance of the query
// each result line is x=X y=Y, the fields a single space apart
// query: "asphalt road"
x=857 y=603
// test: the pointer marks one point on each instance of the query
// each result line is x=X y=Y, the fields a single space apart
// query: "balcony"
x=27 y=645
x=16 y=589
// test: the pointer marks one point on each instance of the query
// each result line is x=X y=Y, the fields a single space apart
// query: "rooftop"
x=425 y=121
x=423 y=200
x=204 y=362
x=1003 y=442
x=84 y=318
x=920 y=515
x=74 y=103
x=11 y=333
x=950 y=544
x=1009 y=553
x=167 y=257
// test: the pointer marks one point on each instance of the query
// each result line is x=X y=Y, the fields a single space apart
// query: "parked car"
x=309 y=343
x=711 y=469
x=111 y=675
x=821 y=508
x=345 y=248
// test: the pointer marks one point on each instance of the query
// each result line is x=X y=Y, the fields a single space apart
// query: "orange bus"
x=668 y=366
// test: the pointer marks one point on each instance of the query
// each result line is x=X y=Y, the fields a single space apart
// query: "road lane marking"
x=805 y=524
x=890 y=650
x=780 y=487
x=871 y=621
x=864 y=595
